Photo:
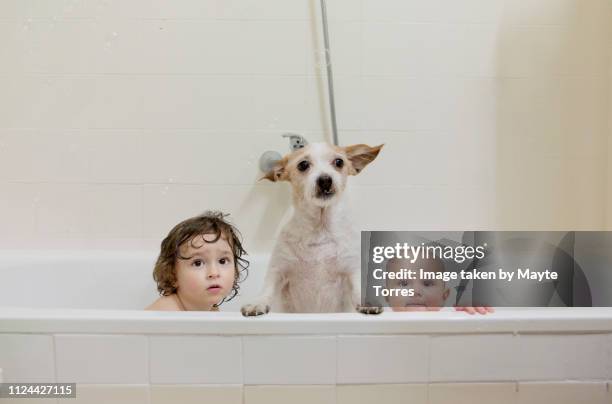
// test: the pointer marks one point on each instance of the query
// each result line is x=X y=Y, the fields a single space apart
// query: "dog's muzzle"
x=325 y=187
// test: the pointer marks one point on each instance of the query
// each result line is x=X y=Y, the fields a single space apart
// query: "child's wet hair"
x=210 y=222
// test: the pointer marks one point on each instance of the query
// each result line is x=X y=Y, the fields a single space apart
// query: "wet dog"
x=315 y=266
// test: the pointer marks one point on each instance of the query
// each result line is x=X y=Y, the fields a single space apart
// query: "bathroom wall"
x=118 y=119
x=609 y=181
x=554 y=110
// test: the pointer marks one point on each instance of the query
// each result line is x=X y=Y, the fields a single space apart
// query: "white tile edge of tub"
x=504 y=320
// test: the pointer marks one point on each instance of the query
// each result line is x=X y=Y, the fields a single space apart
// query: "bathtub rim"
x=504 y=320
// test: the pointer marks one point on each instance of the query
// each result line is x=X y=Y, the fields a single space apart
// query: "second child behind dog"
x=429 y=294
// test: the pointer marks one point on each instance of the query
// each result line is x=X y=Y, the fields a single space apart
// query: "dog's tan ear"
x=361 y=155
x=278 y=172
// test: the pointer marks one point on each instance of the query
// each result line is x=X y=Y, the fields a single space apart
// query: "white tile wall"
x=32 y=155
x=18 y=209
x=66 y=209
x=27 y=358
x=563 y=393
x=552 y=12
x=463 y=366
x=341 y=10
x=470 y=208
x=166 y=205
x=438 y=11
x=398 y=49
x=568 y=357
x=427 y=158
x=196 y=394
x=382 y=393
x=167 y=47
x=141 y=9
x=345 y=37
x=506 y=393
x=471 y=358
x=29 y=401
x=117 y=394
x=201 y=155
x=289 y=394
x=102 y=359
x=289 y=360
x=406 y=103
x=383 y=359
x=130 y=153
x=609 y=356
x=134 y=95
x=609 y=160
x=195 y=360
x=466 y=393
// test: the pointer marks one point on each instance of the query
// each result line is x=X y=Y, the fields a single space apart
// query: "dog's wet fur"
x=314 y=267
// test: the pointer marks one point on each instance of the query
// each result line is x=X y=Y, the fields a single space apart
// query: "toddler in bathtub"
x=200 y=265
x=429 y=294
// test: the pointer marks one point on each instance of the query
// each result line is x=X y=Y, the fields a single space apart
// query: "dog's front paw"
x=369 y=309
x=249 y=310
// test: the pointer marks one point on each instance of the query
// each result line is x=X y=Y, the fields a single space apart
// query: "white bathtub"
x=76 y=317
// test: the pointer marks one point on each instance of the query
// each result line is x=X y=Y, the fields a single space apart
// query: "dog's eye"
x=303 y=166
x=339 y=163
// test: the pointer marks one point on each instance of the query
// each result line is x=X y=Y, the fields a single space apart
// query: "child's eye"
x=224 y=261
x=197 y=263
x=403 y=283
x=428 y=283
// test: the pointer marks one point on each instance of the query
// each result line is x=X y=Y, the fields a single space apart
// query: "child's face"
x=208 y=275
x=429 y=295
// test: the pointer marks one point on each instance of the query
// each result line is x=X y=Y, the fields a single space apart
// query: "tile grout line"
x=516 y=336
x=149 y=366
x=242 y=370
x=54 y=358
x=428 y=381
x=337 y=368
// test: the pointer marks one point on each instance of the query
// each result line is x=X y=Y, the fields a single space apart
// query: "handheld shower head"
x=270 y=157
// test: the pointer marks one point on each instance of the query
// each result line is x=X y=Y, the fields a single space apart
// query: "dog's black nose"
x=324 y=183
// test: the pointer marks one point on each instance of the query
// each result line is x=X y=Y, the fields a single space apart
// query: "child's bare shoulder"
x=164 y=303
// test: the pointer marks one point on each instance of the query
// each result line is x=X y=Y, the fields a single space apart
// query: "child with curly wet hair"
x=200 y=265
